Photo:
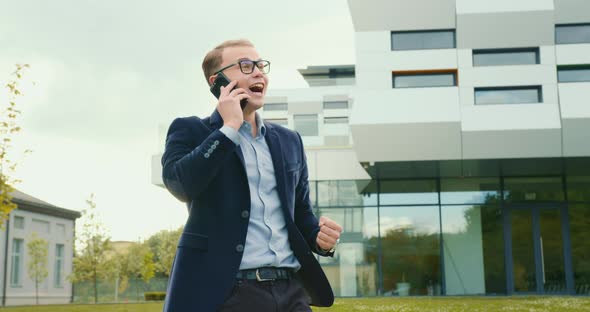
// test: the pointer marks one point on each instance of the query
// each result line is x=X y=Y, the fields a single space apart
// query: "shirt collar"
x=259 y=124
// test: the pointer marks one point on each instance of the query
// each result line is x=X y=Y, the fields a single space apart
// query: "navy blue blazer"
x=205 y=169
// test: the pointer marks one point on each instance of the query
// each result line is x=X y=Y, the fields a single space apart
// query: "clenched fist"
x=329 y=233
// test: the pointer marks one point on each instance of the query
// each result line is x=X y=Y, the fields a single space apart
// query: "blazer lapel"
x=274 y=145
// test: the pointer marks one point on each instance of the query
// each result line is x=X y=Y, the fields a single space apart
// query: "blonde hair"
x=213 y=60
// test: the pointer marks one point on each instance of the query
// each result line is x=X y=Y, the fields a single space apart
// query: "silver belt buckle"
x=258 y=278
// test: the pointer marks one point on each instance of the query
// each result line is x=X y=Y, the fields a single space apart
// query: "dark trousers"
x=276 y=296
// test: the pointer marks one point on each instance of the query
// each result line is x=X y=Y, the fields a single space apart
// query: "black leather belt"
x=265 y=274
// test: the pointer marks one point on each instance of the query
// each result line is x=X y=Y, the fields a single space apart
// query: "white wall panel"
x=572 y=11
x=486 y=6
x=336 y=164
x=157 y=170
x=516 y=29
x=412 y=105
x=465 y=58
x=371 y=15
x=512 y=144
x=517 y=75
x=311 y=107
x=408 y=60
x=373 y=79
x=574 y=99
x=567 y=54
x=547 y=55
x=576 y=135
x=510 y=117
x=372 y=41
x=409 y=141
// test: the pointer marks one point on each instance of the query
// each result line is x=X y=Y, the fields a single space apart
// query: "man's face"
x=252 y=82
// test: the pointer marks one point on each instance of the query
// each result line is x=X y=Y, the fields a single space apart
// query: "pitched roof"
x=29 y=203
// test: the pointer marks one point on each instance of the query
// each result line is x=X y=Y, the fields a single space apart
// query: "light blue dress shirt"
x=267 y=241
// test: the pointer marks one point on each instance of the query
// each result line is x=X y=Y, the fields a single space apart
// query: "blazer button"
x=216 y=142
x=210 y=150
x=240 y=248
x=206 y=155
x=245 y=214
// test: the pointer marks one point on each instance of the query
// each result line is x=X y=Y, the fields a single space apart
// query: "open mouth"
x=257 y=88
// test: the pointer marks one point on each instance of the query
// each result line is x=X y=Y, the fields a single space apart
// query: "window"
x=40 y=226
x=505 y=57
x=19 y=222
x=573 y=33
x=17 y=259
x=508 y=95
x=61 y=229
x=419 y=40
x=306 y=125
x=336 y=120
x=279 y=121
x=419 y=79
x=59 y=265
x=573 y=73
x=275 y=106
x=341 y=72
x=335 y=104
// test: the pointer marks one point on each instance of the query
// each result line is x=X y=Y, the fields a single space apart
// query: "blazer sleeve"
x=190 y=162
x=305 y=220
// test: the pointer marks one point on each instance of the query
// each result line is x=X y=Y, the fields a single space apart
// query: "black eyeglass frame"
x=242 y=70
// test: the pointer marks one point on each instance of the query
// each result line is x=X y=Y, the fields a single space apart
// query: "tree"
x=37 y=267
x=136 y=263
x=163 y=245
x=8 y=128
x=92 y=262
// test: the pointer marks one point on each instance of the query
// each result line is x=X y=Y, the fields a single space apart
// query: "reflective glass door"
x=537 y=250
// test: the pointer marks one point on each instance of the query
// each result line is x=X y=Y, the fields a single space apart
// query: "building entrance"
x=537 y=256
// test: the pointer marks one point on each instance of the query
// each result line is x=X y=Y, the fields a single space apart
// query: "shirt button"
x=245 y=214
x=240 y=248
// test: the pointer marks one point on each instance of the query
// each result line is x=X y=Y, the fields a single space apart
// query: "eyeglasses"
x=247 y=66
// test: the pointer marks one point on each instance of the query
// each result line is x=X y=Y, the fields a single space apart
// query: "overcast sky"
x=108 y=73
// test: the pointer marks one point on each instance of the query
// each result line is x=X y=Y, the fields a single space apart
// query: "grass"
x=440 y=304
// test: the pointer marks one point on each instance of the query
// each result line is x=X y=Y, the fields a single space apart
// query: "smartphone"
x=222 y=80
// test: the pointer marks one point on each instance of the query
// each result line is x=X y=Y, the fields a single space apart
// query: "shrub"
x=154 y=296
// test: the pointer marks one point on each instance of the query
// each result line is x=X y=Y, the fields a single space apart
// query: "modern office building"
x=456 y=150
x=51 y=223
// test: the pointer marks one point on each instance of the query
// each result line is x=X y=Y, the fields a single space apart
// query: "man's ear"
x=212 y=79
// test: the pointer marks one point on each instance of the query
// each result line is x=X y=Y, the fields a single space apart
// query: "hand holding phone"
x=222 y=80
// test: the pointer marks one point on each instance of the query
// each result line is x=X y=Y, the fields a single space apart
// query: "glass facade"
x=458 y=235
x=419 y=40
x=573 y=73
x=335 y=104
x=579 y=216
x=16 y=262
x=335 y=120
x=306 y=124
x=424 y=80
x=505 y=57
x=508 y=95
x=19 y=222
x=573 y=33
x=59 y=265
x=276 y=106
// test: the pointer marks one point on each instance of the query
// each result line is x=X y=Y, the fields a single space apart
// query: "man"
x=247 y=244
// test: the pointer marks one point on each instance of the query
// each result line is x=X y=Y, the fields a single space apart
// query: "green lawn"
x=450 y=304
